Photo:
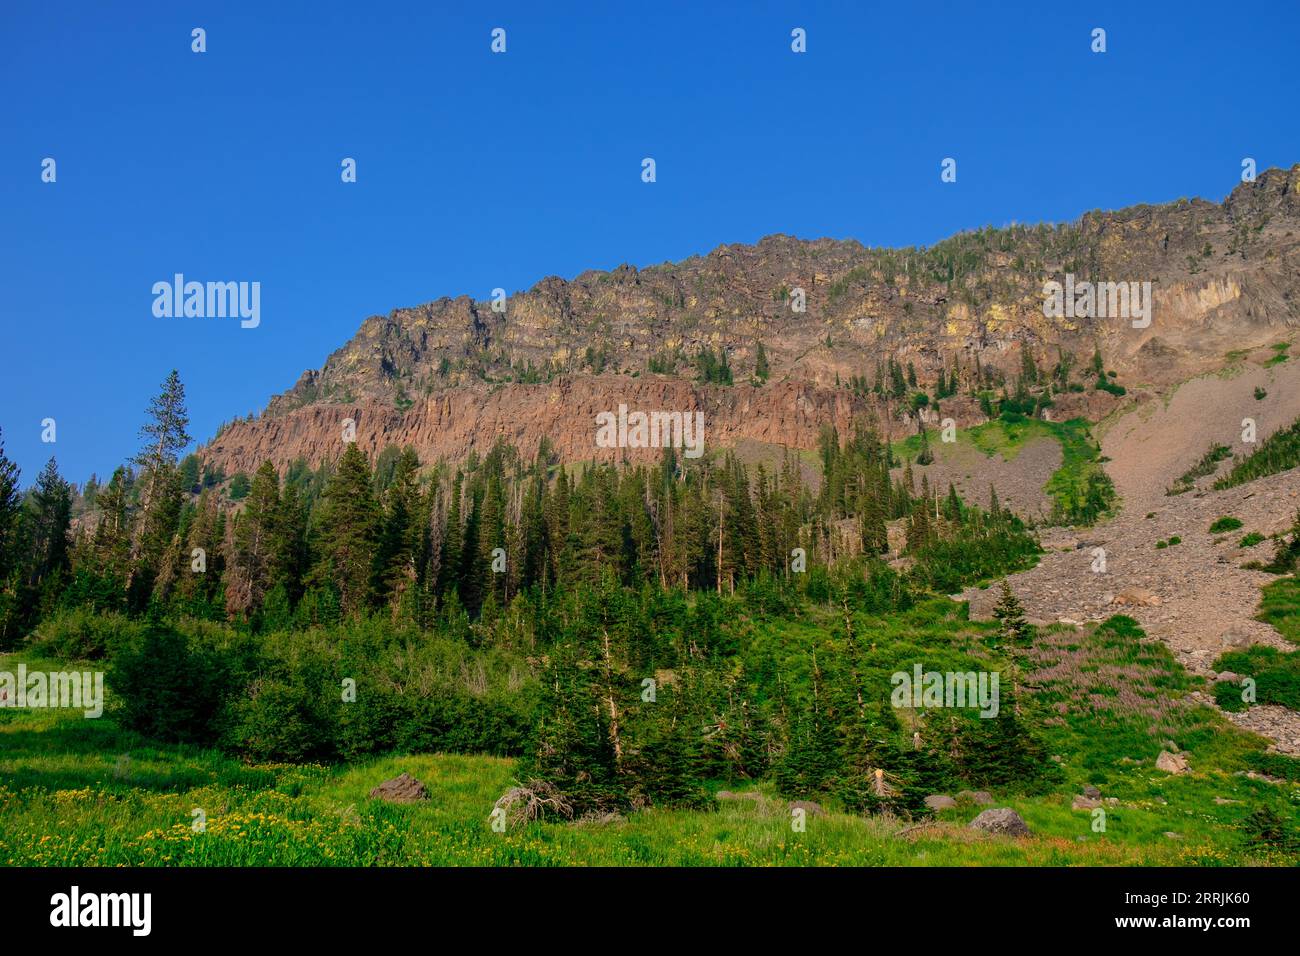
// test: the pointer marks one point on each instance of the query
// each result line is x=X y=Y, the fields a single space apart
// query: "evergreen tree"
x=252 y=544
x=349 y=531
x=925 y=456
x=10 y=507
x=164 y=435
x=1013 y=627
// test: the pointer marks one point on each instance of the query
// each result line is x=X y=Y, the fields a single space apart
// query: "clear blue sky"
x=478 y=170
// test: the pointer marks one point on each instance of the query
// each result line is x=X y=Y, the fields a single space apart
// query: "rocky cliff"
x=453 y=374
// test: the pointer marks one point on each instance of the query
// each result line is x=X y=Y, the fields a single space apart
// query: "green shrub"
x=1252 y=539
x=1228 y=696
x=1278 y=452
x=1206 y=465
x=170 y=686
x=1223 y=524
x=80 y=634
x=1280 y=607
x=1275 y=765
x=1276 y=674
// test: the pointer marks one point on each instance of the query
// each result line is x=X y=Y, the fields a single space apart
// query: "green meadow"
x=80 y=792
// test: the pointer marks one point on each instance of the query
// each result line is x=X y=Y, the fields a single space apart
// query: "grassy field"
x=84 y=792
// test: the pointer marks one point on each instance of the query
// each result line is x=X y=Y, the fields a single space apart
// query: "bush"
x=1228 y=696
x=170 y=686
x=1276 y=674
x=283 y=720
x=81 y=635
x=1223 y=524
x=1252 y=539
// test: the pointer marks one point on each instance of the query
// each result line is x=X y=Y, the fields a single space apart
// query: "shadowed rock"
x=401 y=789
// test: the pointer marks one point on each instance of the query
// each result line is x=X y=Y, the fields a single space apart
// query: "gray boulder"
x=1002 y=821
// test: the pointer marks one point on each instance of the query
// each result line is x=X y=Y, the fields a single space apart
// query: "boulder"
x=401 y=789
x=1091 y=792
x=595 y=819
x=1172 y=763
x=981 y=797
x=1137 y=597
x=808 y=807
x=747 y=795
x=940 y=801
x=1002 y=821
x=1085 y=803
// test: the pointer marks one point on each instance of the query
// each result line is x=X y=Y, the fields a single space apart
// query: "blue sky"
x=478 y=170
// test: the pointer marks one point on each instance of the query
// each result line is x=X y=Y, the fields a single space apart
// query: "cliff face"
x=451 y=375
x=455 y=421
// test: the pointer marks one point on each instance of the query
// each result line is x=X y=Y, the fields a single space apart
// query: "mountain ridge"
x=967 y=304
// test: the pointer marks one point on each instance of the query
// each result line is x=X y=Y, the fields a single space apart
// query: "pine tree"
x=400 y=538
x=449 y=557
x=46 y=518
x=10 y=506
x=164 y=434
x=925 y=456
x=349 y=531
x=761 y=369
x=49 y=515
x=164 y=431
x=290 y=558
x=202 y=590
x=1010 y=614
x=252 y=544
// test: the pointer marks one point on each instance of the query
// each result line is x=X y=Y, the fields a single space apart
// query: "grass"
x=79 y=792
x=1280 y=607
x=1279 y=452
x=1276 y=673
x=1007 y=435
